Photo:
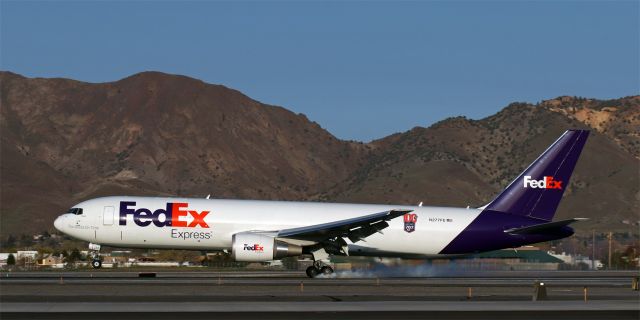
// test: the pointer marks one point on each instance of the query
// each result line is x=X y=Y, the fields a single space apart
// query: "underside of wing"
x=354 y=229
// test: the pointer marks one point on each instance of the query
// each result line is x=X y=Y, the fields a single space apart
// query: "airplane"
x=260 y=231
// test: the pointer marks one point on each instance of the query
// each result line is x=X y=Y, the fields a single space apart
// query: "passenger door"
x=107 y=216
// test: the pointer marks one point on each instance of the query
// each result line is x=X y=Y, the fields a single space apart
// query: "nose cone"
x=58 y=223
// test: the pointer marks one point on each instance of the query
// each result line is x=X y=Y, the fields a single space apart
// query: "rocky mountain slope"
x=63 y=141
x=153 y=133
x=467 y=162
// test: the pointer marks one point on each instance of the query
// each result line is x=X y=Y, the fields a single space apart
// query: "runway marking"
x=604 y=305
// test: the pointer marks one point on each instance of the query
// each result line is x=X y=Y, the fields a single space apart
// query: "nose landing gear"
x=94 y=251
x=96 y=264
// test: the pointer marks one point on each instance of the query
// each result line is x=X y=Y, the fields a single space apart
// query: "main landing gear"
x=319 y=267
x=314 y=271
x=94 y=251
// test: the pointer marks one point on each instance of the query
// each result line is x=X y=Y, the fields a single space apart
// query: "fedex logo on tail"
x=546 y=183
x=173 y=215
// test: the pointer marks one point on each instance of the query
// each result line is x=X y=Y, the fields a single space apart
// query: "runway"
x=284 y=295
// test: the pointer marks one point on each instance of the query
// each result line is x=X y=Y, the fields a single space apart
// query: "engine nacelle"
x=249 y=246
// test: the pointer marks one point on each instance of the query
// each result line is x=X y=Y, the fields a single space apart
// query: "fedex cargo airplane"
x=268 y=230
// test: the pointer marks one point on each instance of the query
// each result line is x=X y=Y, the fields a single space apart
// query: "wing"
x=355 y=228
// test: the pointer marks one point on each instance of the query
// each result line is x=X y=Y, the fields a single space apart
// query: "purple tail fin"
x=537 y=191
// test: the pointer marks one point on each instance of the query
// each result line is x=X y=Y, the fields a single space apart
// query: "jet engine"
x=249 y=246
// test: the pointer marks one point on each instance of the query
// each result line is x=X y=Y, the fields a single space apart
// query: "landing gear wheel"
x=94 y=251
x=312 y=272
x=326 y=270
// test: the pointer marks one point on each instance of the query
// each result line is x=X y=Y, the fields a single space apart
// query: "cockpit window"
x=76 y=211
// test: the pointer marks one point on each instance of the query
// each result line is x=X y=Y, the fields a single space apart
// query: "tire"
x=312 y=272
x=96 y=264
x=326 y=270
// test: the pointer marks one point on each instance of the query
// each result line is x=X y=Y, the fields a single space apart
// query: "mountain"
x=63 y=141
x=153 y=133
x=461 y=162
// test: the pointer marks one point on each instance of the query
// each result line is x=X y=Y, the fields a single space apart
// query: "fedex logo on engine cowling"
x=173 y=215
x=256 y=247
x=547 y=182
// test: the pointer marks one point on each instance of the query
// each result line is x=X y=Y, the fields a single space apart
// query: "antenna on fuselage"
x=420 y=204
x=208 y=196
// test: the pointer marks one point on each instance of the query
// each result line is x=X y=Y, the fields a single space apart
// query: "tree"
x=11 y=260
x=73 y=256
x=626 y=259
x=10 y=242
x=25 y=240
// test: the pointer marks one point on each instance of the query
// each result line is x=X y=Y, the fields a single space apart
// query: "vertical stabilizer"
x=537 y=191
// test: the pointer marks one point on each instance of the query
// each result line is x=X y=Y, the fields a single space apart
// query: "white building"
x=27 y=254
x=577 y=259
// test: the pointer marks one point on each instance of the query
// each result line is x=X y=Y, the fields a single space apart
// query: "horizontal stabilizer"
x=543 y=227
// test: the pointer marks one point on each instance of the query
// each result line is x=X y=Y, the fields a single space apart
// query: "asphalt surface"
x=287 y=295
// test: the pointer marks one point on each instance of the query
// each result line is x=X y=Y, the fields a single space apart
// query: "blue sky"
x=362 y=70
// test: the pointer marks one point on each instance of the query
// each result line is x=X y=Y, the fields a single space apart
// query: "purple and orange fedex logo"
x=547 y=182
x=173 y=215
x=256 y=247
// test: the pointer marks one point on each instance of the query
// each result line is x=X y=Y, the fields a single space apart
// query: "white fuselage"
x=101 y=223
